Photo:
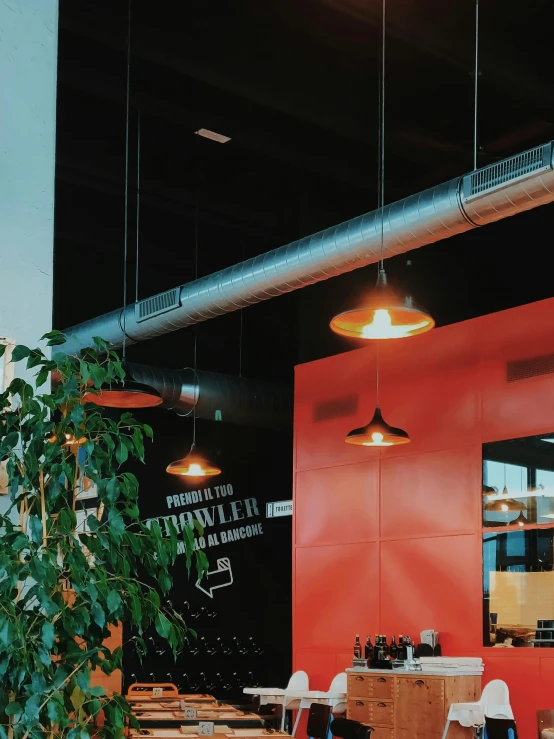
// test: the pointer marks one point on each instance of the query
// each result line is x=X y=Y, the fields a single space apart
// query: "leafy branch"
x=68 y=573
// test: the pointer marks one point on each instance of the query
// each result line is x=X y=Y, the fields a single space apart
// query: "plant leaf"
x=20 y=352
x=162 y=624
x=121 y=453
x=98 y=615
x=113 y=601
x=48 y=635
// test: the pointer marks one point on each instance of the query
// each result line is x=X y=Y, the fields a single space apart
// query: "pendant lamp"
x=128 y=393
x=69 y=440
x=520 y=520
x=385 y=315
x=193 y=465
x=504 y=505
x=377 y=433
x=502 y=502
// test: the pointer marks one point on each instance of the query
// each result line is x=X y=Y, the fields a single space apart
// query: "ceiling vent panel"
x=508 y=171
x=523 y=369
x=154 y=306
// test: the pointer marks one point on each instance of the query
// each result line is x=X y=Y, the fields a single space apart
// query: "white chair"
x=288 y=697
x=334 y=697
x=494 y=703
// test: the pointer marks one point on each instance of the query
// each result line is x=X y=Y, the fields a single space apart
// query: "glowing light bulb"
x=377 y=440
x=504 y=507
x=382 y=327
x=195 y=470
x=521 y=523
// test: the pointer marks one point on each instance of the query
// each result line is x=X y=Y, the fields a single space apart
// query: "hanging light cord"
x=126 y=229
x=381 y=175
x=196 y=227
x=381 y=171
x=241 y=327
x=377 y=374
x=138 y=211
x=476 y=85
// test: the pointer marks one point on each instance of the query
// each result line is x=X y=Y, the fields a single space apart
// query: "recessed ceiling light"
x=207 y=134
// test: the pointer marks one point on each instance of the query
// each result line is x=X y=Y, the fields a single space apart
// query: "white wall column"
x=28 y=72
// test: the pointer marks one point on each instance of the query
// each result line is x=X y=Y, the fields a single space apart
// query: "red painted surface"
x=389 y=541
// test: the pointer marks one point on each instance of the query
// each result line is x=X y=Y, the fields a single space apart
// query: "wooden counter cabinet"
x=411 y=705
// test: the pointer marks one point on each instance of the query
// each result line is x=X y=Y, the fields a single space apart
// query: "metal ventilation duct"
x=489 y=194
x=235 y=399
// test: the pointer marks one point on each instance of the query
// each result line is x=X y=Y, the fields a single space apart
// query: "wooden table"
x=173 y=733
x=168 y=704
x=146 y=695
x=409 y=705
x=232 y=718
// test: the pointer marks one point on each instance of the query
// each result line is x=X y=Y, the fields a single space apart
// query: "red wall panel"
x=328 y=578
x=431 y=494
x=390 y=541
x=337 y=505
x=430 y=583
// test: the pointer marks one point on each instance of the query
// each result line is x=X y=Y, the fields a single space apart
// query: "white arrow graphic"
x=222 y=577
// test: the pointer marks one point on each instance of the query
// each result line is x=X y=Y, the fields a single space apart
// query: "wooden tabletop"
x=173 y=733
x=223 y=717
x=175 y=705
x=147 y=695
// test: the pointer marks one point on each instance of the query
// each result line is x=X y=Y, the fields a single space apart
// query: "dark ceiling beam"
x=263 y=142
x=180 y=203
x=300 y=102
x=500 y=67
x=183 y=49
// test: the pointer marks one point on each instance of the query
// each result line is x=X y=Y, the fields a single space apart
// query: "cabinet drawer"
x=381 y=713
x=358 y=710
x=381 y=687
x=382 y=732
x=358 y=686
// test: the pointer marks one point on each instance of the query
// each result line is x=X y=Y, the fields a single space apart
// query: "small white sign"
x=157 y=692
x=206 y=728
x=279 y=508
x=190 y=712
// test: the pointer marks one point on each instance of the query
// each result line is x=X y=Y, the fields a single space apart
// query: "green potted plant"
x=68 y=574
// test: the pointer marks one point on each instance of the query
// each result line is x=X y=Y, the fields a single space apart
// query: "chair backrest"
x=299 y=681
x=500 y=728
x=545 y=719
x=338 y=683
x=496 y=692
x=348 y=729
x=318 y=721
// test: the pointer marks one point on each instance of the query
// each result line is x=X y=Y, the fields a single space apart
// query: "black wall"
x=244 y=628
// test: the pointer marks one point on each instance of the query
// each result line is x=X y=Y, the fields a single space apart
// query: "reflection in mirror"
x=518 y=482
x=518 y=588
x=518 y=542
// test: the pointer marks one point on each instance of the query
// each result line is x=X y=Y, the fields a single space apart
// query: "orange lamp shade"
x=69 y=440
x=385 y=315
x=507 y=505
x=193 y=465
x=130 y=395
x=520 y=520
x=377 y=433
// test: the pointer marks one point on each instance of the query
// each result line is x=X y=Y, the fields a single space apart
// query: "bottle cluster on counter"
x=382 y=651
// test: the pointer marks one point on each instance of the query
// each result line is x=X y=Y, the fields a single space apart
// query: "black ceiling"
x=295 y=85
